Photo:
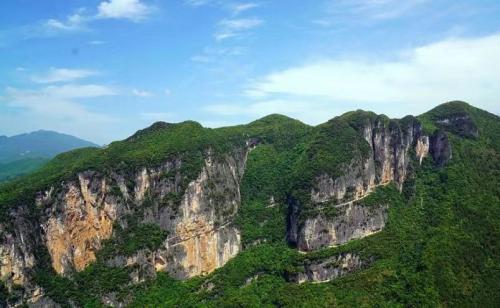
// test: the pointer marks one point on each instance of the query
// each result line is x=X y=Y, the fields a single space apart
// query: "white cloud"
x=141 y=93
x=309 y=111
x=63 y=75
x=133 y=10
x=167 y=92
x=373 y=9
x=214 y=54
x=465 y=69
x=57 y=103
x=453 y=69
x=239 y=8
x=197 y=3
x=229 y=28
x=78 y=91
x=73 y=23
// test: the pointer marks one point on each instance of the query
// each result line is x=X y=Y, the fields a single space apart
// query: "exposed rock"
x=422 y=148
x=353 y=221
x=202 y=235
x=460 y=124
x=329 y=269
x=440 y=148
x=16 y=251
x=78 y=222
x=387 y=162
x=77 y=216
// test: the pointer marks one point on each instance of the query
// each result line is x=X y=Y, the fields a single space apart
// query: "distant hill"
x=20 y=167
x=21 y=154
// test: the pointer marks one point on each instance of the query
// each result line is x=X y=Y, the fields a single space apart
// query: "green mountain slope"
x=16 y=168
x=439 y=247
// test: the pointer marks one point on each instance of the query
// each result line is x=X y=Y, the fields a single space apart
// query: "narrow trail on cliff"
x=353 y=200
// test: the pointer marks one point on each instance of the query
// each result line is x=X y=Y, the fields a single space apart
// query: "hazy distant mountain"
x=21 y=154
x=42 y=143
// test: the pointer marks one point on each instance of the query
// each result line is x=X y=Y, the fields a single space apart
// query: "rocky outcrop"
x=352 y=221
x=328 y=269
x=79 y=215
x=387 y=161
x=459 y=123
x=78 y=220
x=422 y=148
x=202 y=235
x=440 y=148
x=18 y=260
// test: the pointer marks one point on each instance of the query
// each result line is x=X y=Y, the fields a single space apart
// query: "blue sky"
x=102 y=69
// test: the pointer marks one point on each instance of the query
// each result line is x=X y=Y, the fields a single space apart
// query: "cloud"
x=75 y=22
x=133 y=10
x=63 y=75
x=141 y=93
x=197 y=3
x=296 y=108
x=465 y=69
x=58 y=102
x=214 y=54
x=167 y=92
x=239 y=8
x=229 y=28
x=78 y=91
x=373 y=9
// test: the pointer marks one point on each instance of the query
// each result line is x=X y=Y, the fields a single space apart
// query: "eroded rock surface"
x=329 y=269
x=387 y=162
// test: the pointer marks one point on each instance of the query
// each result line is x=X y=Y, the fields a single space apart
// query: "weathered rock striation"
x=328 y=269
x=387 y=161
x=79 y=215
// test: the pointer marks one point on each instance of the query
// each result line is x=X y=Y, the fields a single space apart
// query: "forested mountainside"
x=24 y=153
x=362 y=210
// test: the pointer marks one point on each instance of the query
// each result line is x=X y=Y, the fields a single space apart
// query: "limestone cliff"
x=78 y=216
x=328 y=269
x=202 y=236
x=387 y=161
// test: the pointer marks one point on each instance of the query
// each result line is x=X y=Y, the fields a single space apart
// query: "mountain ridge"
x=367 y=198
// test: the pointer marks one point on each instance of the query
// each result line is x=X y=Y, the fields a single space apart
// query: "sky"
x=102 y=69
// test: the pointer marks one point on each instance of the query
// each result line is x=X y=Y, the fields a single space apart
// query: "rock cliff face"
x=353 y=221
x=16 y=250
x=388 y=159
x=459 y=123
x=78 y=216
x=202 y=236
x=329 y=269
x=440 y=148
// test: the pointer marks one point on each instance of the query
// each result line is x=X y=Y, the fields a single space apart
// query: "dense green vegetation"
x=9 y=171
x=440 y=247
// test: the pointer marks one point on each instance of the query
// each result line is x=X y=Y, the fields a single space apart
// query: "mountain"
x=20 y=167
x=24 y=153
x=362 y=210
